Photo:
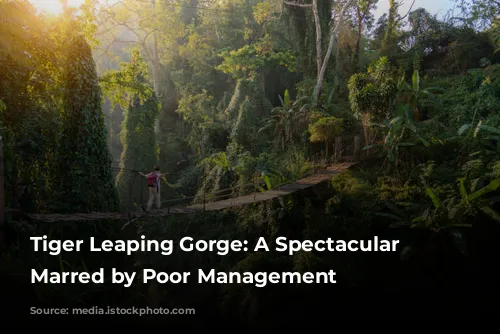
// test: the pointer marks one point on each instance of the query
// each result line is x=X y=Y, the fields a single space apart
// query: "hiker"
x=154 y=186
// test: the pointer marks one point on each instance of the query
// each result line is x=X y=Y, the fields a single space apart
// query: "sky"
x=439 y=7
x=54 y=6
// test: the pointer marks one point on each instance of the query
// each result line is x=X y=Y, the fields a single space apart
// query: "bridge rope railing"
x=202 y=197
x=234 y=192
x=258 y=185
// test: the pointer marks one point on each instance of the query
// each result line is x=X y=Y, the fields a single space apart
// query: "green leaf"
x=456 y=212
x=474 y=183
x=463 y=128
x=281 y=101
x=476 y=131
x=434 y=198
x=475 y=153
x=490 y=129
x=266 y=180
x=492 y=186
x=396 y=120
x=435 y=90
x=419 y=220
x=490 y=212
x=281 y=213
x=259 y=188
x=406 y=253
x=370 y=146
x=415 y=80
x=425 y=142
x=463 y=191
x=287 y=98
x=394 y=209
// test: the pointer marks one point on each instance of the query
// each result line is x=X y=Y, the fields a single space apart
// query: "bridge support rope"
x=205 y=206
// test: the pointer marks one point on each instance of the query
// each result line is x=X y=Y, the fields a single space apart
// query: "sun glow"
x=54 y=6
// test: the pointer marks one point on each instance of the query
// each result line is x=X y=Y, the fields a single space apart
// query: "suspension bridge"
x=196 y=204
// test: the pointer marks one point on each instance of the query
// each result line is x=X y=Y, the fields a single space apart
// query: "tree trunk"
x=366 y=131
x=357 y=146
x=358 y=38
x=333 y=33
x=319 y=42
x=156 y=73
x=391 y=22
x=327 y=146
x=338 y=71
x=338 y=148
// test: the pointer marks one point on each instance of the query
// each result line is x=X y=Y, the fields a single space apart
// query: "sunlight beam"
x=54 y=6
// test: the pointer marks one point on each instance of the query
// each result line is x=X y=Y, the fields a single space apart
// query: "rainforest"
x=248 y=120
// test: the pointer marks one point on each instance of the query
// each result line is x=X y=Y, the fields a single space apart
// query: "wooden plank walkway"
x=256 y=197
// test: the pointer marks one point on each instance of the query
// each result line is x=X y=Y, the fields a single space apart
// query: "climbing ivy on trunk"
x=85 y=178
x=131 y=88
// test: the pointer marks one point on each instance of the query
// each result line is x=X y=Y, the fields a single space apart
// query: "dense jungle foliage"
x=223 y=94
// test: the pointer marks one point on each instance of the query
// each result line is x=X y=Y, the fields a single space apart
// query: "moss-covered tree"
x=372 y=95
x=85 y=179
x=130 y=88
x=325 y=130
